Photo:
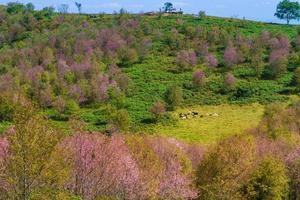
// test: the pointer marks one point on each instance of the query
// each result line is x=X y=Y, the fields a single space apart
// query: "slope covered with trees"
x=120 y=65
x=77 y=90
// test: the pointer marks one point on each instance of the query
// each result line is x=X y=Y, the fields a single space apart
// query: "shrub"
x=120 y=120
x=278 y=63
x=230 y=56
x=225 y=168
x=173 y=97
x=269 y=181
x=186 y=59
x=211 y=61
x=199 y=79
x=229 y=81
x=158 y=109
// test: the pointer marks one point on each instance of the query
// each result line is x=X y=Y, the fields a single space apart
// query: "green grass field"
x=233 y=119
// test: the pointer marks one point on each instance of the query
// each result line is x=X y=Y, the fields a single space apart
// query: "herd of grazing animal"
x=193 y=114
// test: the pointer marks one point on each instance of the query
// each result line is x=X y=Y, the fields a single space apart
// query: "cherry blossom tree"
x=102 y=167
x=199 y=79
x=230 y=56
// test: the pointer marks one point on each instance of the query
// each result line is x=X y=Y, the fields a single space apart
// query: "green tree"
x=168 y=7
x=120 y=119
x=29 y=7
x=225 y=168
x=288 y=10
x=36 y=162
x=173 y=97
x=15 y=7
x=269 y=181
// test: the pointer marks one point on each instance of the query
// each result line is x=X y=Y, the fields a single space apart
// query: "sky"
x=259 y=10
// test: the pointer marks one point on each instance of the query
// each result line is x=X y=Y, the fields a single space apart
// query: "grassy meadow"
x=232 y=120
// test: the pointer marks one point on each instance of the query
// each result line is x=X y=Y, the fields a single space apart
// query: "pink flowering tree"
x=199 y=79
x=102 y=166
x=230 y=56
x=186 y=59
x=211 y=61
x=229 y=81
x=174 y=181
x=158 y=109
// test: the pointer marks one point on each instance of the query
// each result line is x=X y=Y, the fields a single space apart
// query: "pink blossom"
x=199 y=78
x=102 y=166
x=211 y=61
x=229 y=80
x=230 y=56
x=174 y=183
x=76 y=93
x=186 y=59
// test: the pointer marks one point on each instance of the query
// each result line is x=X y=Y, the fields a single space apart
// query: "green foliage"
x=173 y=97
x=288 y=10
x=120 y=119
x=269 y=181
x=15 y=7
x=224 y=169
x=297 y=77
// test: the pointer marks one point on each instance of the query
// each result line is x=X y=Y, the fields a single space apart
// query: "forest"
x=147 y=106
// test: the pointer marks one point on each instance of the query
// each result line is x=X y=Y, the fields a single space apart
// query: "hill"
x=104 y=67
x=128 y=106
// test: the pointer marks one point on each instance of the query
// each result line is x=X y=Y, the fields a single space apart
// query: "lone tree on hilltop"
x=288 y=10
x=168 y=7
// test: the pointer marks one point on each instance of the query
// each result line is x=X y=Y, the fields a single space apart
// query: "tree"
x=168 y=7
x=288 y=10
x=173 y=96
x=63 y=8
x=278 y=63
x=230 y=56
x=79 y=7
x=229 y=81
x=158 y=109
x=35 y=162
x=29 y=7
x=101 y=166
x=224 y=170
x=211 y=61
x=201 y=14
x=15 y=7
x=120 y=120
x=199 y=79
x=186 y=59
x=269 y=181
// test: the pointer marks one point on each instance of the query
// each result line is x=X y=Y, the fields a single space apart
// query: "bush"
x=120 y=120
x=199 y=79
x=158 y=109
x=173 y=97
x=225 y=168
x=186 y=60
x=229 y=81
x=269 y=181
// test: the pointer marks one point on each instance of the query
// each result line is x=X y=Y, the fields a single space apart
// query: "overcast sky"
x=262 y=10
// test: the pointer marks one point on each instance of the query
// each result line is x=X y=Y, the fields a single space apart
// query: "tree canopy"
x=288 y=10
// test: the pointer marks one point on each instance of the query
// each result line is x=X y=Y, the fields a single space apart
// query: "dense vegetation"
x=77 y=90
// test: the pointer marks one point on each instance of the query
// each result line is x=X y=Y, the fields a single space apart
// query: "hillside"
x=137 y=58
x=147 y=68
x=130 y=106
